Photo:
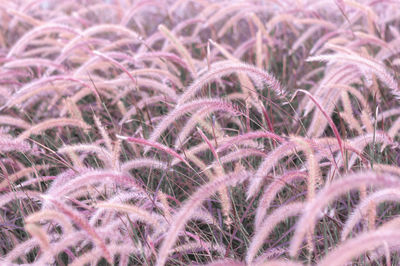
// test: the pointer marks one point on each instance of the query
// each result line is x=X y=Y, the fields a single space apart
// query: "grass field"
x=199 y=132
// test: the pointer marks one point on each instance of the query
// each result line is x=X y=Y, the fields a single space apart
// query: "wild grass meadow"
x=199 y=132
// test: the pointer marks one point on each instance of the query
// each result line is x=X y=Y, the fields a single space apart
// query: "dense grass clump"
x=199 y=132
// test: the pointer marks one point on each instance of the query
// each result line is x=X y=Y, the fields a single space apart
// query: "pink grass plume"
x=155 y=145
